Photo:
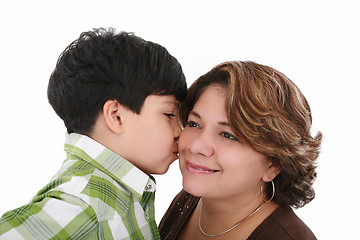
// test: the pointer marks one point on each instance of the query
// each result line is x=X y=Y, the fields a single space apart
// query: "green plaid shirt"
x=96 y=195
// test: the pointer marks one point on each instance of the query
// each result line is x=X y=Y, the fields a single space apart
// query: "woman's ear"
x=271 y=172
x=113 y=113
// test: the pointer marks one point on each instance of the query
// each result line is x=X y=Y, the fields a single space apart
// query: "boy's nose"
x=177 y=129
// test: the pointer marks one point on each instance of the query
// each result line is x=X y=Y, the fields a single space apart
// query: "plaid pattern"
x=96 y=195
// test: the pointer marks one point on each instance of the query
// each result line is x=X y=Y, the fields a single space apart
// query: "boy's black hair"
x=104 y=65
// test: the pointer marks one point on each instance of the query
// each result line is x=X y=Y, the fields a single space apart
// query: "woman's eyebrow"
x=222 y=123
x=195 y=114
x=226 y=124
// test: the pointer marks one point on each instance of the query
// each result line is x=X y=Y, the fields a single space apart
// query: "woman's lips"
x=197 y=169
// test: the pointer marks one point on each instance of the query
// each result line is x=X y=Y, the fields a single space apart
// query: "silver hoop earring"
x=273 y=192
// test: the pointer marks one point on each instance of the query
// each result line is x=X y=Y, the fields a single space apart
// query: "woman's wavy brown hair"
x=267 y=109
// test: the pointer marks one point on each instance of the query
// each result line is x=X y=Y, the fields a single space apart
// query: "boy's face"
x=151 y=136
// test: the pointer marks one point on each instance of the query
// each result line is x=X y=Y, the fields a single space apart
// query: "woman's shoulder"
x=283 y=224
x=177 y=215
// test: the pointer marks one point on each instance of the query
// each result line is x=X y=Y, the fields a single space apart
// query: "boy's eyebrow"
x=174 y=102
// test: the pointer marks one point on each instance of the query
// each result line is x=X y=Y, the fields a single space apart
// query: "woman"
x=246 y=156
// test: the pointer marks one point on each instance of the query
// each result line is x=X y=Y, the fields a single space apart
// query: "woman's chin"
x=192 y=188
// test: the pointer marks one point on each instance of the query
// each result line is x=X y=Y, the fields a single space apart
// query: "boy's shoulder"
x=86 y=194
x=51 y=214
x=82 y=184
x=78 y=198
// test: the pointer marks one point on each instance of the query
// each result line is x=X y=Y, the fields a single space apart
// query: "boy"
x=118 y=96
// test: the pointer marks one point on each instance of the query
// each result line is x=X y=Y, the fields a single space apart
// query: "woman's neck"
x=229 y=206
x=217 y=216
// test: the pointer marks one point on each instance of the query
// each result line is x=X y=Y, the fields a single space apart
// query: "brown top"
x=282 y=224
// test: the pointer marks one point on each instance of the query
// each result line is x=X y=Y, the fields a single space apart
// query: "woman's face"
x=213 y=161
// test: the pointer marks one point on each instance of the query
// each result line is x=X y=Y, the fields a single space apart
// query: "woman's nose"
x=202 y=144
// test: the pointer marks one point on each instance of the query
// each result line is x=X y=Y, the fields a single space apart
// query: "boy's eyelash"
x=169 y=115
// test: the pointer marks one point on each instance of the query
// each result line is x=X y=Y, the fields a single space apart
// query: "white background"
x=315 y=43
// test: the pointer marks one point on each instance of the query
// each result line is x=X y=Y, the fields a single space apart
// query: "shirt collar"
x=118 y=168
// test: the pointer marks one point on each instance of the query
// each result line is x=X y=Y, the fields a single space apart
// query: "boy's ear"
x=113 y=111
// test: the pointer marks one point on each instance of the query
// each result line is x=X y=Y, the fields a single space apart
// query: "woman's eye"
x=229 y=136
x=192 y=124
x=169 y=115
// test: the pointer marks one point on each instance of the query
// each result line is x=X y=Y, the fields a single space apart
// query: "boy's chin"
x=160 y=171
